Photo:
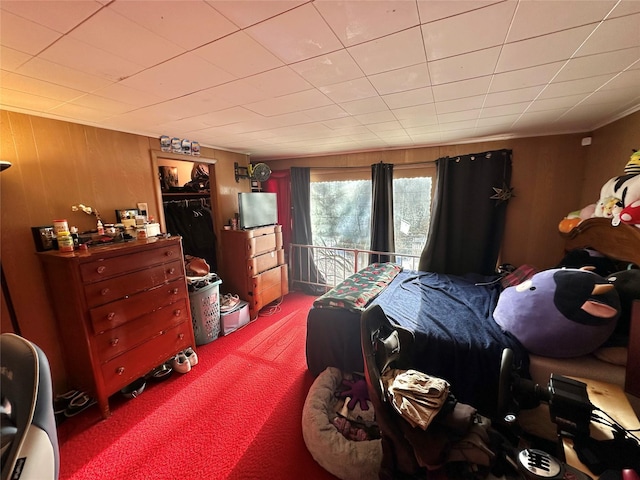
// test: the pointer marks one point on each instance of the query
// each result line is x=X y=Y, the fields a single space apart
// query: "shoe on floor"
x=229 y=302
x=180 y=363
x=192 y=356
x=61 y=402
x=78 y=404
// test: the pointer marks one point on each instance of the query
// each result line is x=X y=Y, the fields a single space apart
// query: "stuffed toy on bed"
x=563 y=312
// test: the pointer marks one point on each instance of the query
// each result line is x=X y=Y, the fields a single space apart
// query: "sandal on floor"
x=78 y=404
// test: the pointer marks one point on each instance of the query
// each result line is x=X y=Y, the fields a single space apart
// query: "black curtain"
x=469 y=212
x=382 y=231
x=304 y=265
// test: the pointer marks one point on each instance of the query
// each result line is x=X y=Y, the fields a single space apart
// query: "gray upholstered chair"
x=29 y=437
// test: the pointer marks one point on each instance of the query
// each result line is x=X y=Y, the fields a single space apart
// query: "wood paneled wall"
x=57 y=164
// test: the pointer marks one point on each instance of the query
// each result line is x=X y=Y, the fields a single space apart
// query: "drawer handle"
x=169 y=253
x=172 y=271
x=111 y=316
x=177 y=312
x=101 y=269
x=120 y=370
x=114 y=341
x=175 y=291
x=104 y=291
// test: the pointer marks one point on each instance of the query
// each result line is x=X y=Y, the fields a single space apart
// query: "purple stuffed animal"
x=560 y=312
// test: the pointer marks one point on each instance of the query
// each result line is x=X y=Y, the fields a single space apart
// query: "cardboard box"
x=233 y=320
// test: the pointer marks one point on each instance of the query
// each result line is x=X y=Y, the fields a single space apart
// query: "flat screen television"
x=257 y=209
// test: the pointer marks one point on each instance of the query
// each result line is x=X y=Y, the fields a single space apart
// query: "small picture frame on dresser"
x=43 y=237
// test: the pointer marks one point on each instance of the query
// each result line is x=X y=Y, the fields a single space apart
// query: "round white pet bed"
x=346 y=459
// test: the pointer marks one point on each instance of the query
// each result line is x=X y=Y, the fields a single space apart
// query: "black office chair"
x=457 y=436
x=29 y=437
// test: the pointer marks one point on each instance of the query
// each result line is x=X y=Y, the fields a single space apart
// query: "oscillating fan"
x=259 y=172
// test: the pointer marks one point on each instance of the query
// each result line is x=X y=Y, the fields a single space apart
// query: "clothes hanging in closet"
x=193 y=221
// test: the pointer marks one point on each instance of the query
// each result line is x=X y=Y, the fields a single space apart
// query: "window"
x=341 y=217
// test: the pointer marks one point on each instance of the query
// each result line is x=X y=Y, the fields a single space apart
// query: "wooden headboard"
x=619 y=243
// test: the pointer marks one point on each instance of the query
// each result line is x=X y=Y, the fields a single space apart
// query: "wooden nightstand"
x=611 y=399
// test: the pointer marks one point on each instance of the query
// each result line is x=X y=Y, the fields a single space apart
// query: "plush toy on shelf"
x=621 y=194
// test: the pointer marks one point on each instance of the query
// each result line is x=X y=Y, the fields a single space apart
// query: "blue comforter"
x=456 y=337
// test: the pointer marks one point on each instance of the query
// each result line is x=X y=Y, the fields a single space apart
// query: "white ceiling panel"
x=282 y=78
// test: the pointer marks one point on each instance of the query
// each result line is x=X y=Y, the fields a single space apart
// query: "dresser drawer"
x=122 y=370
x=120 y=287
x=261 y=244
x=118 y=340
x=112 y=315
x=264 y=262
x=268 y=279
x=103 y=268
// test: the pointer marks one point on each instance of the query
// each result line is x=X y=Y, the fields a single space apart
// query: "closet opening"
x=185 y=191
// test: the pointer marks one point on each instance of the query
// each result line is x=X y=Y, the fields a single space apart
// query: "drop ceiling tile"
x=432 y=10
x=526 y=77
x=326 y=113
x=500 y=110
x=546 y=49
x=335 y=67
x=349 y=91
x=483 y=28
x=615 y=34
x=26 y=101
x=395 y=51
x=408 y=78
x=358 y=22
x=534 y=19
x=415 y=112
x=105 y=105
x=37 y=87
x=513 y=96
x=11 y=59
x=24 y=35
x=61 y=75
x=280 y=81
x=250 y=12
x=224 y=54
x=623 y=97
x=409 y=98
x=625 y=7
x=340 y=123
x=197 y=103
x=536 y=117
x=465 y=116
x=60 y=16
x=556 y=103
x=294 y=102
x=81 y=56
x=457 y=125
x=366 y=105
x=599 y=64
x=390 y=126
x=205 y=24
x=239 y=92
x=503 y=121
x=168 y=79
x=572 y=87
x=376 y=117
x=463 y=88
x=461 y=104
x=630 y=78
x=80 y=112
x=132 y=96
x=464 y=67
x=226 y=117
x=111 y=32
x=296 y=35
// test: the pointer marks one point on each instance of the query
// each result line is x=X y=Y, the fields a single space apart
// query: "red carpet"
x=236 y=415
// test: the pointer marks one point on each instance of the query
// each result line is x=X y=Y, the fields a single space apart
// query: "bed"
x=456 y=337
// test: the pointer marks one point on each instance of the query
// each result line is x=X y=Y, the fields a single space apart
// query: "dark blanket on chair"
x=456 y=337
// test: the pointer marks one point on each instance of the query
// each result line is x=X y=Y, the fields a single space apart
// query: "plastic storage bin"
x=204 y=297
x=236 y=318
